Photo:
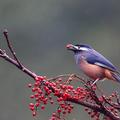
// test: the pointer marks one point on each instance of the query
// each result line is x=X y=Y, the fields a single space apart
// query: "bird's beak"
x=71 y=47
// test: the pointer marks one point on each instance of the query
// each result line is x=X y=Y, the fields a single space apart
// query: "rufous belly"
x=93 y=71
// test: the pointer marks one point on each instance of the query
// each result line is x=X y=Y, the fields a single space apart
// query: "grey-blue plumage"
x=86 y=57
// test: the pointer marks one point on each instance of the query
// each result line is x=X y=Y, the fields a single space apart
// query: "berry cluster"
x=43 y=92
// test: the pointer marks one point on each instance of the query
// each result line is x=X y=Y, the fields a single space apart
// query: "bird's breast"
x=93 y=71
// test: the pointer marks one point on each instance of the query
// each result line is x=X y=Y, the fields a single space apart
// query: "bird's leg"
x=102 y=80
x=95 y=82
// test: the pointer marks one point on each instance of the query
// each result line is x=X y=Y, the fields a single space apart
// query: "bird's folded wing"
x=98 y=59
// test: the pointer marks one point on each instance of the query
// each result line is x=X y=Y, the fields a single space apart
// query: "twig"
x=5 y=33
x=114 y=105
x=12 y=61
x=57 y=77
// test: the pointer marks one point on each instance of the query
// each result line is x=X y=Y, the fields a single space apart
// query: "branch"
x=15 y=63
x=5 y=33
x=96 y=108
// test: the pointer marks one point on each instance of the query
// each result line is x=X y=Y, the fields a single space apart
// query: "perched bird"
x=93 y=64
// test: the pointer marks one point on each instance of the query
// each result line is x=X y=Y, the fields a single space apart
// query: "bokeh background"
x=39 y=31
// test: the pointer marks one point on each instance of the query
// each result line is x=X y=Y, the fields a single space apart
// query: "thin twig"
x=5 y=33
x=14 y=62
x=112 y=104
x=57 y=77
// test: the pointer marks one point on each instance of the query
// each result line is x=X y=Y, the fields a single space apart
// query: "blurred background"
x=39 y=31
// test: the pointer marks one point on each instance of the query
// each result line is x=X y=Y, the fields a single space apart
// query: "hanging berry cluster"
x=43 y=92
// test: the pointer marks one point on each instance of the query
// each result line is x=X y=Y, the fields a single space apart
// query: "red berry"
x=33 y=89
x=59 y=110
x=32 y=96
x=37 y=104
x=29 y=85
x=39 y=78
x=34 y=113
x=53 y=114
x=64 y=112
x=31 y=105
x=42 y=107
x=36 y=95
x=51 y=101
x=32 y=108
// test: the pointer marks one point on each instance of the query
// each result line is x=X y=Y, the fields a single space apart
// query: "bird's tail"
x=116 y=76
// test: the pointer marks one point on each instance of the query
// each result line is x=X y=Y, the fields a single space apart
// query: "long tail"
x=116 y=76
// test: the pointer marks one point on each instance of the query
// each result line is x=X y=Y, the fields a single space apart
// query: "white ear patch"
x=83 y=48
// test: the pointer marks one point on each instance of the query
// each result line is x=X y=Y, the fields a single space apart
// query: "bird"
x=93 y=64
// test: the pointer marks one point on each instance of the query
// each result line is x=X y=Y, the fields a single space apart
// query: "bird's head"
x=78 y=48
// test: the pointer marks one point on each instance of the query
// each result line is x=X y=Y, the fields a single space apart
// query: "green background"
x=39 y=31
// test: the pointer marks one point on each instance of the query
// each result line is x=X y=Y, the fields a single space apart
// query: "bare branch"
x=14 y=62
x=5 y=33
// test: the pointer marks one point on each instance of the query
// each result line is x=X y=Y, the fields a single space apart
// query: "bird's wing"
x=96 y=58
